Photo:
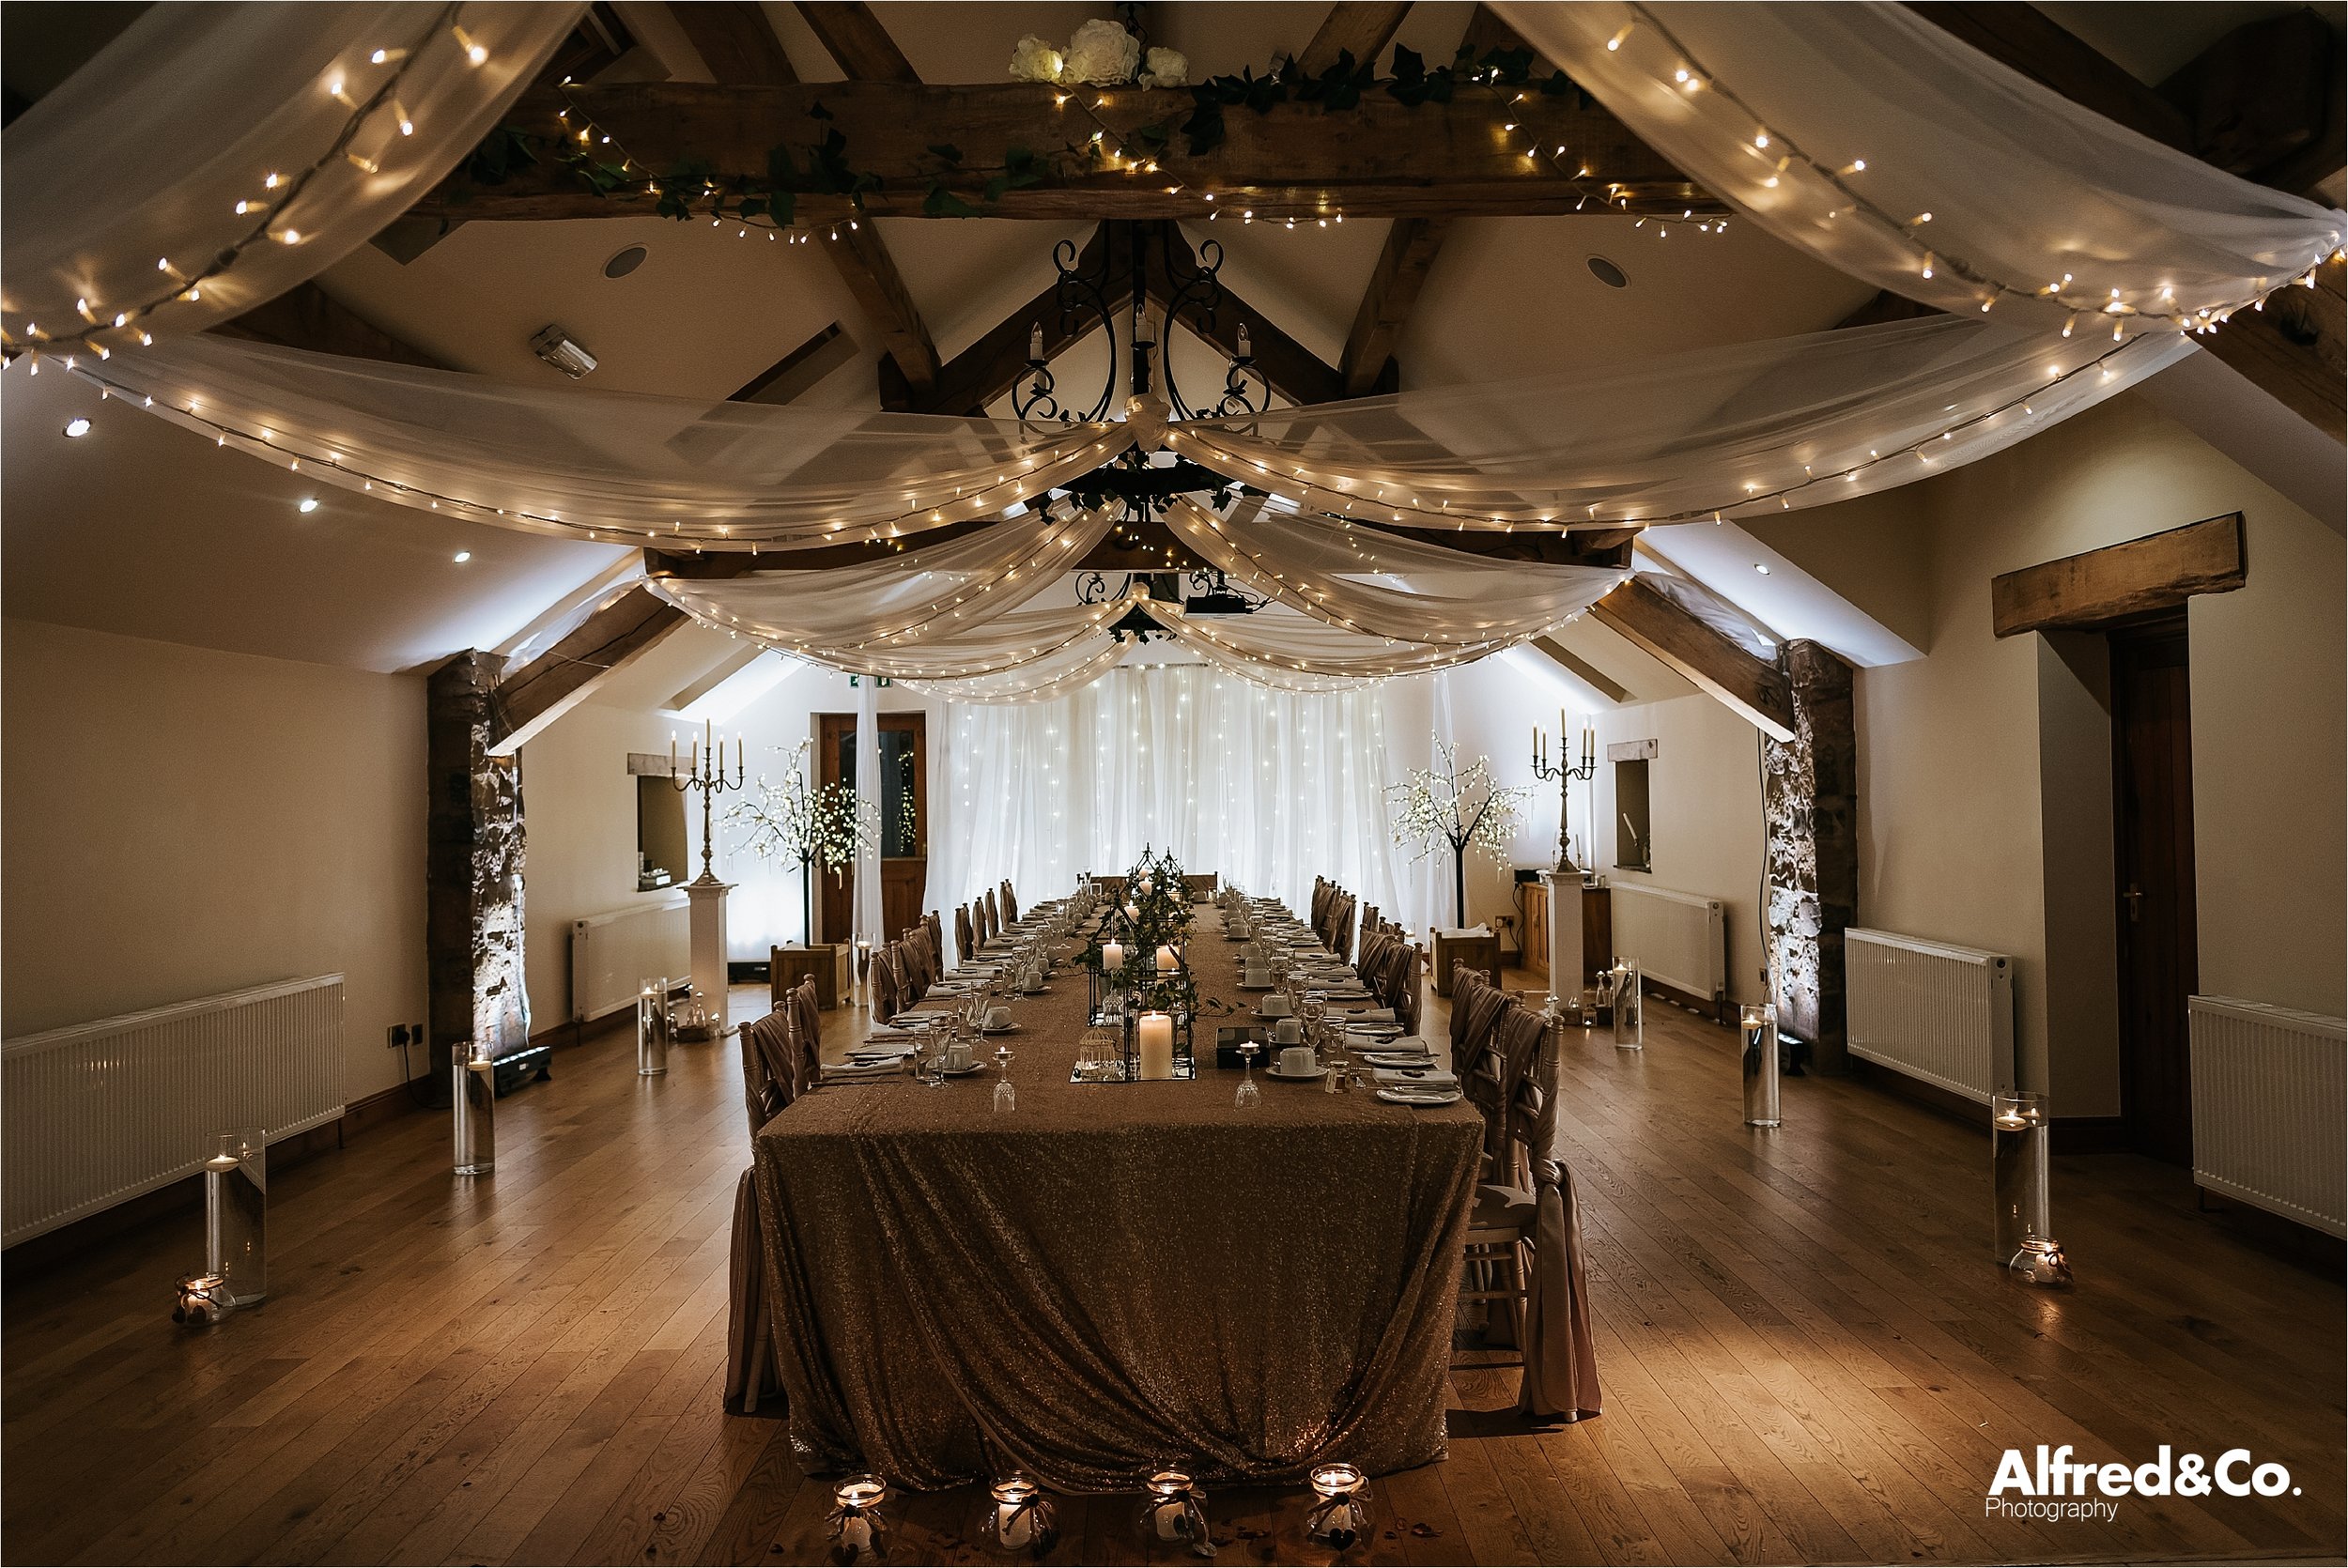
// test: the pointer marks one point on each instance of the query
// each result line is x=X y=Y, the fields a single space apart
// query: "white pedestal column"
x=708 y=918
x=1565 y=933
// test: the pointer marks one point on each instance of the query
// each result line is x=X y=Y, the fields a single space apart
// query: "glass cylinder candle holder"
x=1758 y=1032
x=652 y=1028
x=236 y=1216
x=1340 y=1515
x=199 y=1300
x=859 y=1532
x=1174 y=1511
x=1629 y=1015
x=1019 y=1518
x=473 y=1103
x=2019 y=1128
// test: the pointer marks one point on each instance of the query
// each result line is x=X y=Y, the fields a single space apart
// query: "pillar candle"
x=1165 y=961
x=1157 y=1045
x=1112 y=957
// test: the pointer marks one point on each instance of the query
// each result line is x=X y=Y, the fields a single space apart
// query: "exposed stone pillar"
x=473 y=872
x=1810 y=807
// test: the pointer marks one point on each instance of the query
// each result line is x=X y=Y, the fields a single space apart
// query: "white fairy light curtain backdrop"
x=1268 y=789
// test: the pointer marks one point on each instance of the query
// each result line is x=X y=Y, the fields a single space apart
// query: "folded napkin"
x=1369 y=1015
x=1402 y=1045
x=1433 y=1078
x=849 y=1072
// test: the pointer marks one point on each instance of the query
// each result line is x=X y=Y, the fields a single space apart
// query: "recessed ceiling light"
x=624 y=262
x=1758 y=567
x=77 y=426
x=309 y=503
x=463 y=556
x=1609 y=273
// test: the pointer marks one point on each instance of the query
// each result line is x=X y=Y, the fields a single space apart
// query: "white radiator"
x=1680 y=939
x=612 y=955
x=2270 y=1101
x=1939 y=1013
x=96 y=1113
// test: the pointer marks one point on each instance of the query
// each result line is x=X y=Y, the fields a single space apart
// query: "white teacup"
x=1288 y=1031
x=957 y=1056
x=1298 y=1061
x=1278 y=1006
x=1260 y=973
x=998 y=1017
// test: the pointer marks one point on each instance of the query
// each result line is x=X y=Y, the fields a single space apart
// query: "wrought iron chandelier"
x=1093 y=288
x=1211 y=593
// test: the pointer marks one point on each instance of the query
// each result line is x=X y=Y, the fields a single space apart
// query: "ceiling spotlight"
x=554 y=345
x=77 y=426
x=1758 y=567
x=309 y=503
x=463 y=556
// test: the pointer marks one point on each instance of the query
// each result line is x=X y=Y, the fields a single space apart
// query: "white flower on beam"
x=1102 y=54
x=1166 y=68
x=1034 y=60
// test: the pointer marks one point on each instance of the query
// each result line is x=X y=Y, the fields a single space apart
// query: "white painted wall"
x=177 y=821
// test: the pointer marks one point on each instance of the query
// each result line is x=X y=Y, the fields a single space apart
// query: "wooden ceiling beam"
x=525 y=703
x=853 y=36
x=306 y=316
x=1293 y=370
x=1384 y=159
x=736 y=41
x=1411 y=245
x=2157 y=571
x=992 y=366
x=1359 y=28
x=1753 y=689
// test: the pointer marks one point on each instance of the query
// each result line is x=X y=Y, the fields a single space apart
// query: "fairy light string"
x=105 y=327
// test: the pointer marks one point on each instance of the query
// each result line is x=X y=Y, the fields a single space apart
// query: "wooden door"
x=2152 y=820
x=904 y=819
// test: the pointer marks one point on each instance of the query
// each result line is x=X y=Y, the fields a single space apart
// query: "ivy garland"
x=694 y=188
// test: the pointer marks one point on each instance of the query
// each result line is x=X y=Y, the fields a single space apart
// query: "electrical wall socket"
x=398 y=1036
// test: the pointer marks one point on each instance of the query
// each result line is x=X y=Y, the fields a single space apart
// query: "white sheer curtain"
x=1269 y=789
x=280 y=137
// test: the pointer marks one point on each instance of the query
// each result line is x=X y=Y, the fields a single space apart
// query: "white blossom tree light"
x=812 y=824
x=1451 y=808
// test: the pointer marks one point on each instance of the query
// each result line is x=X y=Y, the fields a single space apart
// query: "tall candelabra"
x=1565 y=771
x=705 y=771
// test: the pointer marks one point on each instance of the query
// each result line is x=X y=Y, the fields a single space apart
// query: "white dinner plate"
x=1001 y=1029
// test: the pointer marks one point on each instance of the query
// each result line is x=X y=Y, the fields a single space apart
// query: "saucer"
x=1243 y=985
x=965 y=1072
x=1001 y=1029
x=1312 y=1077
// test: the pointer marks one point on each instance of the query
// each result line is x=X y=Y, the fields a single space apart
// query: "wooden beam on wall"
x=1382 y=160
x=558 y=680
x=872 y=276
x=1582 y=669
x=736 y=41
x=1357 y=27
x=2026 y=40
x=1751 y=688
x=2160 y=571
x=2295 y=350
x=853 y=36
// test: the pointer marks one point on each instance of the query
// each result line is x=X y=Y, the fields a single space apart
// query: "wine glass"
x=1006 y=1096
x=1247 y=1092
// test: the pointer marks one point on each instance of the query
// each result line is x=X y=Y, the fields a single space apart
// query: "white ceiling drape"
x=247 y=148
x=1893 y=151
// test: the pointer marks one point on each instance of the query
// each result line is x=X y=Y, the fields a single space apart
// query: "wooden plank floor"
x=1806 y=1356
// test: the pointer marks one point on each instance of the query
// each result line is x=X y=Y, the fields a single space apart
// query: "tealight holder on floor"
x=2018 y=1132
x=1758 y=1031
x=859 y=1532
x=652 y=1028
x=1174 y=1512
x=1019 y=1518
x=473 y=1103
x=1340 y=1515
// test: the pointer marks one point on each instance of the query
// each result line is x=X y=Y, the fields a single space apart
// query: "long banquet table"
x=1112 y=1278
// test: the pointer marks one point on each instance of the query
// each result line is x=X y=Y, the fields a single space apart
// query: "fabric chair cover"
x=1011 y=902
x=807 y=1025
x=770 y=1082
x=993 y=926
x=965 y=934
x=1560 y=1360
x=936 y=928
x=883 y=976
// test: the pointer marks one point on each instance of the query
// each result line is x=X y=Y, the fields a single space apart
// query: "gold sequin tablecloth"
x=1114 y=1276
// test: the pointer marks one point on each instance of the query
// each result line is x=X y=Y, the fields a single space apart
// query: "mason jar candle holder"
x=1019 y=1518
x=1340 y=1515
x=474 y=1105
x=652 y=1028
x=1174 y=1512
x=2018 y=1133
x=859 y=1530
x=1758 y=1032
